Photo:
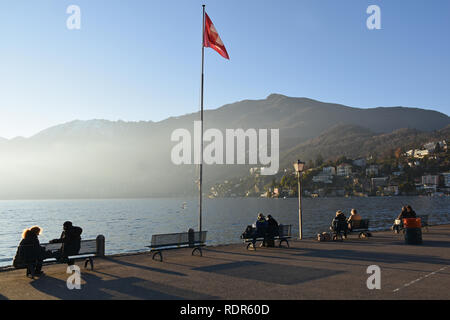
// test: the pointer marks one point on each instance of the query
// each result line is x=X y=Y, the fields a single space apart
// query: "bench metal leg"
x=281 y=243
x=199 y=251
x=157 y=253
x=89 y=260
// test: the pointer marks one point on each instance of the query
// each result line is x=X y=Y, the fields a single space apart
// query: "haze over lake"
x=128 y=224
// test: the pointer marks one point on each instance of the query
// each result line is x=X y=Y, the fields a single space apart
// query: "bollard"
x=100 y=245
x=191 y=237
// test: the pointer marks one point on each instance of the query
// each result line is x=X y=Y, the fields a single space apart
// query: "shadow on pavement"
x=384 y=257
x=129 y=264
x=426 y=243
x=3 y=297
x=269 y=272
x=123 y=288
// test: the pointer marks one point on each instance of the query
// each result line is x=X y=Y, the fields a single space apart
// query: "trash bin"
x=413 y=231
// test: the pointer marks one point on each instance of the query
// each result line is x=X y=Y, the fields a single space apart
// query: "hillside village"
x=422 y=171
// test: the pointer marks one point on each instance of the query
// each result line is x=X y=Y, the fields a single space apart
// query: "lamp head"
x=299 y=166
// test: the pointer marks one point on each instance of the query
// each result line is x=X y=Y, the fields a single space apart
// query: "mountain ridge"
x=103 y=158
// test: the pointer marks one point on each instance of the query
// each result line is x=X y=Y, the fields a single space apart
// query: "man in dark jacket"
x=71 y=242
x=260 y=229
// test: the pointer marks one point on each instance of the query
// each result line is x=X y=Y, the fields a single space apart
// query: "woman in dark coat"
x=30 y=253
x=272 y=230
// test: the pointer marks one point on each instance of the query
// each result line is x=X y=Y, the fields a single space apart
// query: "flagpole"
x=201 y=120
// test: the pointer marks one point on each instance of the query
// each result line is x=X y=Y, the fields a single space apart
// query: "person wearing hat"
x=70 y=240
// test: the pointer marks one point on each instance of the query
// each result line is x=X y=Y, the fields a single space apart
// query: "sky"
x=140 y=59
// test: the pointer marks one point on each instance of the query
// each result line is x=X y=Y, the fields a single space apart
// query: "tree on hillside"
x=319 y=160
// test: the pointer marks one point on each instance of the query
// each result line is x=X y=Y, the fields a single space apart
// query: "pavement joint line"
x=421 y=278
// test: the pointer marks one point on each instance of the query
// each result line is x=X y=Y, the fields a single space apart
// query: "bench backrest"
x=178 y=239
x=86 y=247
x=285 y=230
x=360 y=224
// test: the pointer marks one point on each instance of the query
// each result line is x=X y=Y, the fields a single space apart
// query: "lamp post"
x=298 y=166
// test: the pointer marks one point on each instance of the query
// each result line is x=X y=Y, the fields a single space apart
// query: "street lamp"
x=298 y=166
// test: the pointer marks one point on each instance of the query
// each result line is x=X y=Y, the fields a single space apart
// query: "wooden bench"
x=361 y=227
x=284 y=234
x=88 y=250
x=191 y=239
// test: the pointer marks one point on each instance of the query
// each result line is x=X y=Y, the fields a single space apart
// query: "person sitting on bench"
x=30 y=254
x=71 y=243
x=398 y=223
x=354 y=219
x=272 y=231
x=260 y=230
x=339 y=223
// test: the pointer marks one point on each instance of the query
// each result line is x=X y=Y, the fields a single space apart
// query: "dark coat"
x=339 y=222
x=272 y=227
x=261 y=227
x=407 y=215
x=29 y=251
x=71 y=241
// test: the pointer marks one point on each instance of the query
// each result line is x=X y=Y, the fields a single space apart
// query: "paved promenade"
x=307 y=270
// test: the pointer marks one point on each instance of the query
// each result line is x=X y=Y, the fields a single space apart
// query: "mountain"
x=100 y=158
x=355 y=142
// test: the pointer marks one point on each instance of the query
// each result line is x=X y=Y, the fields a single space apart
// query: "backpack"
x=324 y=236
x=247 y=233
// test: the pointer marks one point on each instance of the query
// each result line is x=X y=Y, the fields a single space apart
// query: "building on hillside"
x=372 y=170
x=344 y=170
x=391 y=190
x=430 y=180
x=323 y=178
x=431 y=146
x=446 y=176
x=329 y=170
x=379 y=182
x=417 y=154
x=360 y=162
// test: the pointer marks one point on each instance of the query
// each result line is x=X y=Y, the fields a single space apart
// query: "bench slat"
x=87 y=247
x=178 y=239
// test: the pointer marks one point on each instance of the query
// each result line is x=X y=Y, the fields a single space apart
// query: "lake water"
x=129 y=224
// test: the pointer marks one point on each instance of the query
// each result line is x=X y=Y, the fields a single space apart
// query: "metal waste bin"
x=413 y=231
